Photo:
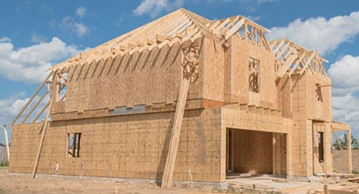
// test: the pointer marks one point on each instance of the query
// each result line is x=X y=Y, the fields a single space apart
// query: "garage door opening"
x=255 y=152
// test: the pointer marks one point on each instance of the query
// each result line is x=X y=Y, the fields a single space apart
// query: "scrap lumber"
x=177 y=125
x=42 y=139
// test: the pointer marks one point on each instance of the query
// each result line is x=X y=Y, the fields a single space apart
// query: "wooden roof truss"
x=241 y=26
x=292 y=58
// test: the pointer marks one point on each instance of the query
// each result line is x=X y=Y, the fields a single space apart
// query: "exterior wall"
x=240 y=52
x=132 y=146
x=139 y=79
x=213 y=70
x=253 y=118
x=306 y=112
x=340 y=161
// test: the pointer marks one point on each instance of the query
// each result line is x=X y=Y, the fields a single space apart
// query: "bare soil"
x=15 y=183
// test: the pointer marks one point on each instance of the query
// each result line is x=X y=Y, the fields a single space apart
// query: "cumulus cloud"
x=345 y=88
x=81 y=11
x=11 y=106
x=345 y=75
x=155 y=7
x=69 y=24
x=321 y=34
x=28 y=64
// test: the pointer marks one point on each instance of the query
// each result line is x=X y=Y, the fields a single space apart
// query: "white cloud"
x=319 y=33
x=69 y=24
x=155 y=7
x=28 y=64
x=81 y=11
x=11 y=106
x=345 y=86
x=344 y=74
x=5 y=39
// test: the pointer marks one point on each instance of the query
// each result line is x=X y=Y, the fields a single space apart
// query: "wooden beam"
x=282 y=51
x=308 y=62
x=42 y=139
x=279 y=46
x=175 y=135
x=7 y=143
x=32 y=97
x=349 y=137
x=337 y=140
x=340 y=126
x=34 y=107
x=160 y=38
x=235 y=28
x=286 y=65
x=150 y=42
x=296 y=64
x=40 y=113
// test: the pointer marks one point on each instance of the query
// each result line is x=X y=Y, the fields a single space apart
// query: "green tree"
x=344 y=143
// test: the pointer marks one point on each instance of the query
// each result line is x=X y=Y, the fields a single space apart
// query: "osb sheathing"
x=138 y=79
x=124 y=146
x=252 y=152
x=251 y=118
x=240 y=51
x=306 y=111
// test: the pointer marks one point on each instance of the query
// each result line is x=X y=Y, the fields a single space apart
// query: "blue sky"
x=37 y=34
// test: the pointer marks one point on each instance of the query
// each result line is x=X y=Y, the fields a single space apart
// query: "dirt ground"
x=12 y=183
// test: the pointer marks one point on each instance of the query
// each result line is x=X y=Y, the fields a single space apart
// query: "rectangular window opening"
x=73 y=145
x=254 y=75
x=321 y=146
x=318 y=92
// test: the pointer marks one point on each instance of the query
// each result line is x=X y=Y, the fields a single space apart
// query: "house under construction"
x=181 y=98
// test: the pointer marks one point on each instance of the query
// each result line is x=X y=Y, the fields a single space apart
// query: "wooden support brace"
x=42 y=139
x=32 y=97
x=34 y=107
x=175 y=135
x=337 y=140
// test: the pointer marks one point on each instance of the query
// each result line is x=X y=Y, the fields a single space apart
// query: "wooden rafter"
x=284 y=49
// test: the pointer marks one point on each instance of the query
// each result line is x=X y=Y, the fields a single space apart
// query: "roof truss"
x=292 y=58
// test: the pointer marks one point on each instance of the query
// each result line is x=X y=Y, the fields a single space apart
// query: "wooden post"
x=7 y=143
x=326 y=189
x=349 y=137
x=42 y=139
x=177 y=125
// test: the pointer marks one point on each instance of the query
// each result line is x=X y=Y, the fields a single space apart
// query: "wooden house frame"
x=171 y=101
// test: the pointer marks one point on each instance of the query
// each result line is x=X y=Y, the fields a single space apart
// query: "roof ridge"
x=201 y=22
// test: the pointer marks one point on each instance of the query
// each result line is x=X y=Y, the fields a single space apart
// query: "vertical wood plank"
x=176 y=130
